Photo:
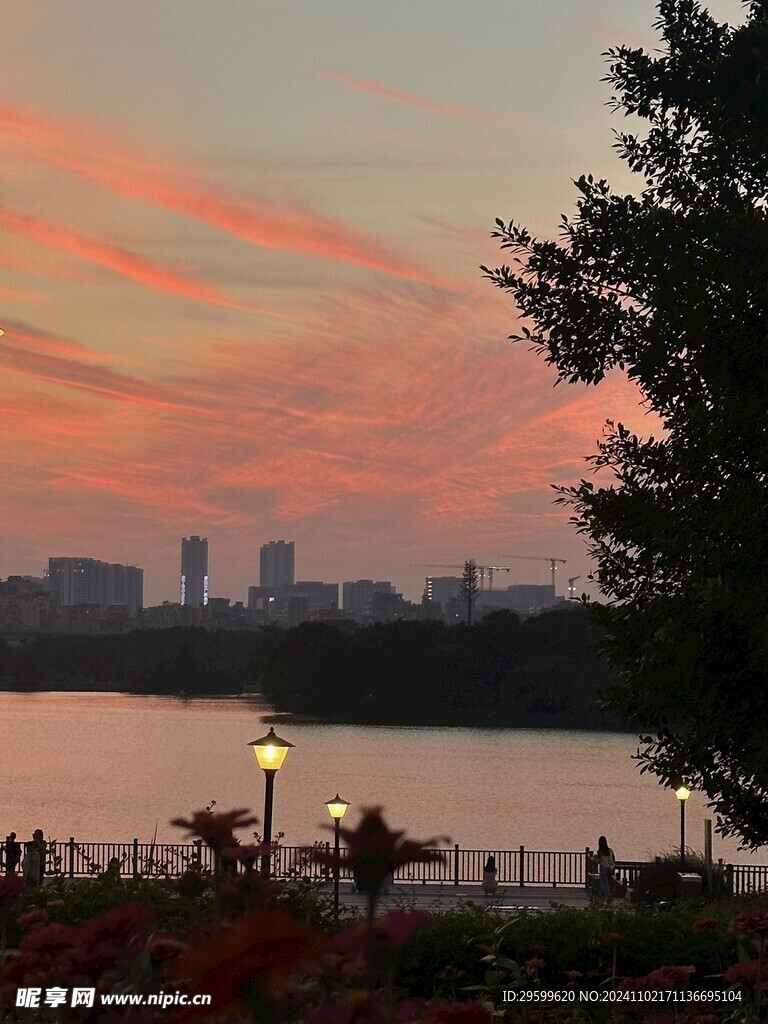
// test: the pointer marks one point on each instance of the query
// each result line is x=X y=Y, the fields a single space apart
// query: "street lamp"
x=337 y=808
x=270 y=753
x=682 y=793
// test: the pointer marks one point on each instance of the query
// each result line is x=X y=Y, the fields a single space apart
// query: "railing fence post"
x=587 y=856
x=456 y=864
x=71 y=857
x=327 y=870
x=135 y=857
x=198 y=845
x=522 y=866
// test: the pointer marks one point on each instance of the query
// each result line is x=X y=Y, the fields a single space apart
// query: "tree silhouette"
x=670 y=286
x=469 y=588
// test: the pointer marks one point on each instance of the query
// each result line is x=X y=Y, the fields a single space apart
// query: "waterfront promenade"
x=525 y=877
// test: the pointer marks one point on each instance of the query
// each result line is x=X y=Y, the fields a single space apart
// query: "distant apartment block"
x=358 y=596
x=276 y=564
x=307 y=599
x=79 y=581
x=441 y=589
x=193 y=580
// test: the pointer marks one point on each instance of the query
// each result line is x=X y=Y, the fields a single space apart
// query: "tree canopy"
x=670 y=286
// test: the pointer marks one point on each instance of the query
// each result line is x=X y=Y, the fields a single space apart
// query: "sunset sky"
x=239 y=248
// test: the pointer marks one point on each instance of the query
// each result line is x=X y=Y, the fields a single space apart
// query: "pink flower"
x=374 y=852
x=217 y=829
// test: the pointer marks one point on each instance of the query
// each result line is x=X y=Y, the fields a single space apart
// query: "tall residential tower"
x=193 y=588
x=276 y=564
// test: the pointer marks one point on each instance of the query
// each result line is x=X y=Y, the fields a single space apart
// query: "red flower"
x=752 y=922
x=537 y=947
x=662 y=979
x=533 y=965
x=745 y=973
x=706 y=924
x=393 y=930
x=457 y=1013
x=264 y=947
x=32 y=918
x=217 y=830
x=613 y=938
x=374 y=852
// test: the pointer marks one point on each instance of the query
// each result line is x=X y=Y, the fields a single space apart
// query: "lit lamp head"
x=270 y=751
x=682 y=793
x=337 y=807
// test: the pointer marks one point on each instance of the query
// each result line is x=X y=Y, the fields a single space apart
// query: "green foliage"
x=74 y=901
x=443 y=949
x=670 y=286
x=189 y=659
x=657 y=880
x=566 y=939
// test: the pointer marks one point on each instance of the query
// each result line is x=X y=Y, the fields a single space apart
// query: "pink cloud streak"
x=121 y=261
x=287 y=228
x=410 y=99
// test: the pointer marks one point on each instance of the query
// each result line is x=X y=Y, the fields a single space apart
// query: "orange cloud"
x=410 y=99
x=293 y=229
x=47 y=359
x=123 y=262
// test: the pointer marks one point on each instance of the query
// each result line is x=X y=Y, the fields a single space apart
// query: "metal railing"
x=454 y=866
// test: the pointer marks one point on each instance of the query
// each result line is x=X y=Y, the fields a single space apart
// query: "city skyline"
x=240 y=287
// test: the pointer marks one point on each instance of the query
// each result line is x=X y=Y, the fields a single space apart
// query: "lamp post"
x=337 y=808
x=270 y=753
x=682 y=793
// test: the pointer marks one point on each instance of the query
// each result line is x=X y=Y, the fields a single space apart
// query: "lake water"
x=106 y=766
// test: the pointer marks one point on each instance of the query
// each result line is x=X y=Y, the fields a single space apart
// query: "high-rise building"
x=89 y=581
x=193 y=589
x=276 y=564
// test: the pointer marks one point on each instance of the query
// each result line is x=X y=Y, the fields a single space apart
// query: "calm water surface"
x=110 y=767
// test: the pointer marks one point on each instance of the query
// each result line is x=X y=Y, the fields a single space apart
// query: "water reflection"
x=110 y=766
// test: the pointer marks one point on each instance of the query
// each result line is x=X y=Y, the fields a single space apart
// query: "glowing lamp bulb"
x=270 y=751
x=682 y=793
x=337 y=807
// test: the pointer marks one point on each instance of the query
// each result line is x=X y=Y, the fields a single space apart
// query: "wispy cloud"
x=288 y=228
x=411 y=99
x=613 y=35
x=121 y=261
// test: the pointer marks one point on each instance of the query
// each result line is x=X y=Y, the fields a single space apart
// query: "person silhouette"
x=606 y=865
x=490 y=882
x=12 y=854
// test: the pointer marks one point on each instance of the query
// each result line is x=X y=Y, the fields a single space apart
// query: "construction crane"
x=482 y=569
x=571 y=588
x=540 y=558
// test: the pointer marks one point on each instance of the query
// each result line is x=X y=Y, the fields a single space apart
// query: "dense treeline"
x=541 y=672
x=168 y=661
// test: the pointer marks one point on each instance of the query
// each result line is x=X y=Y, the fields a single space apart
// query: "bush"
x=657 y=880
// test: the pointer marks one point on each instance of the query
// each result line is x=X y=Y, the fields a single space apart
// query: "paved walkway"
x=448 y=897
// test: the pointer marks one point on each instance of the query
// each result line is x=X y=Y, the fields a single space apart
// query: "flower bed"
x=275 y=953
